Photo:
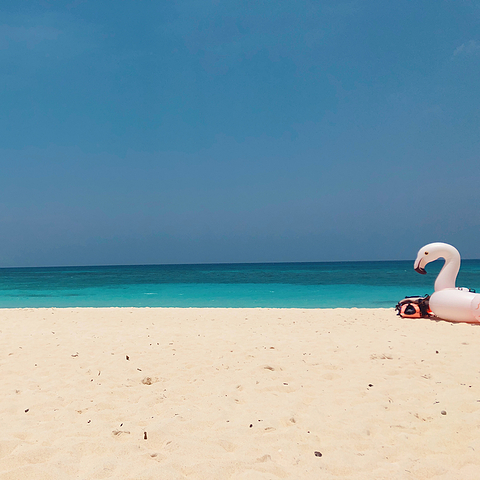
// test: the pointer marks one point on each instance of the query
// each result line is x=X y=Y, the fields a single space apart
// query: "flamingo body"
x=456 y=305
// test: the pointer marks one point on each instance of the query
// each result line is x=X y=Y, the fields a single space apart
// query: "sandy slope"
x=237 y=394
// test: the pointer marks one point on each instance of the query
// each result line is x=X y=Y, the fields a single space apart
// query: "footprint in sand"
x=227 y=446
x=265 y=458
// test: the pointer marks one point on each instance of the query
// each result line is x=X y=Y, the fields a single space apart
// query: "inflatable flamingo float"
x=448 y=302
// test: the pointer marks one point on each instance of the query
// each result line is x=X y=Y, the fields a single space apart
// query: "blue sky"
x=138 y=132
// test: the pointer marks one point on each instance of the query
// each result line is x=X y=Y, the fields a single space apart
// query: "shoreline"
x=143 y=392
x=213 y=309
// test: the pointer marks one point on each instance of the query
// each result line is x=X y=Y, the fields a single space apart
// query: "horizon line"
x=207 y=263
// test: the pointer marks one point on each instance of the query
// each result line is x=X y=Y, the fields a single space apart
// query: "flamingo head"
x=432 y=252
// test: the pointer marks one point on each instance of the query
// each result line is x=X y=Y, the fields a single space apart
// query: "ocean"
x=285 y=285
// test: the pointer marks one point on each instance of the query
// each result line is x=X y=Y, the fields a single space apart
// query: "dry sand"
x=237 y=394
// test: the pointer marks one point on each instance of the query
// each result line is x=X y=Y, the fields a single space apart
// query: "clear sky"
x=196 y=131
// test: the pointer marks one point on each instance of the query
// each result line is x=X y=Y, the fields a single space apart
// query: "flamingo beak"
x=419 y=265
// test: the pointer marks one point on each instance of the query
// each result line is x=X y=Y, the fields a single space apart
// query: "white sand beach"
x=149 y=393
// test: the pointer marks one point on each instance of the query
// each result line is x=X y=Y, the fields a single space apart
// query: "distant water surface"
x=287 y=285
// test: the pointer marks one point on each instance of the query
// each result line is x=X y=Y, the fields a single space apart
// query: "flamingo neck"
x=448 y=274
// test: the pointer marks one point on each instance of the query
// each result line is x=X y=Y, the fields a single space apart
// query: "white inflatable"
x=448 y=302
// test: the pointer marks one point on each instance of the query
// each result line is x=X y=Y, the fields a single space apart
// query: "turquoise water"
x=288 y=285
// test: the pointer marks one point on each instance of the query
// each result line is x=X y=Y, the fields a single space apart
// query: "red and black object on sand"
x=414 y=307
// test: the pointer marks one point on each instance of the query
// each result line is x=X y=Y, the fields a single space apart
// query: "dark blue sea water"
x=302 y=285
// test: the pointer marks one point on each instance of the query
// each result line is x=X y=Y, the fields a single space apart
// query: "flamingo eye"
x=426 y=253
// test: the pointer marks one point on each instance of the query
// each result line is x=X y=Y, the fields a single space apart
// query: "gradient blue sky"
x=193 y=131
